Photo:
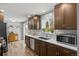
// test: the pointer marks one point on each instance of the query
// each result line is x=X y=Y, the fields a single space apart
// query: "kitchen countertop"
x=53 y=41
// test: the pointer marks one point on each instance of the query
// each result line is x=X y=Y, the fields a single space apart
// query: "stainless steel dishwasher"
x=32 y=43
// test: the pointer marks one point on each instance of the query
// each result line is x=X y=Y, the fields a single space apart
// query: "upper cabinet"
x=34 y=23
x=1 y=17
x=65 y=16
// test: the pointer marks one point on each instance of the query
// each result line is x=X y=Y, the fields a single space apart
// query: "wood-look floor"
x=18 y=48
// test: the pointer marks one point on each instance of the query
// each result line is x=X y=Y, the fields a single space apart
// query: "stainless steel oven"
x=68 y=38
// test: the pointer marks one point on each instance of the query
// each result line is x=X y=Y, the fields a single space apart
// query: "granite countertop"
x=53 y=41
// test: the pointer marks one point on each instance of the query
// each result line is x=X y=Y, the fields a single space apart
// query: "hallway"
x=18 y=48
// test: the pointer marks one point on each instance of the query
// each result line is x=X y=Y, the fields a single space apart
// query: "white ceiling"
x=22 y=10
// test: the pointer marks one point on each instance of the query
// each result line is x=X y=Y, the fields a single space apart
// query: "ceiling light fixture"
x=1 y=11
x=44 y=11
x=35 y=17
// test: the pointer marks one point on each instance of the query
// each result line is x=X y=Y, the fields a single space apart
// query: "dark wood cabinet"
x=51 y=50
x=47 y=49
x=37 y=48
x=34 y=22
x=55 y=50
x=40 y=47
x=71 y=16
x=27 y=41
x=66 y=52
x=59 y=16
x=1 y=18
x=65 y=16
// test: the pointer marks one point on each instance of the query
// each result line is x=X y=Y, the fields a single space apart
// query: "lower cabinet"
x=37 y=48
x=51 y=50
x=47 y=49
x=67 y=52
x=27 y=41
x=55 y=50
x=40 y=47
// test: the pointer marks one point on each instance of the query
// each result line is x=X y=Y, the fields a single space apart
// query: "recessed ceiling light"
x=43 y=11
x=1 y=11
x=35 y=17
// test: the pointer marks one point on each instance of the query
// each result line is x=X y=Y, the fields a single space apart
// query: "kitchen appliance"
x=70 y=39
x=32 y=43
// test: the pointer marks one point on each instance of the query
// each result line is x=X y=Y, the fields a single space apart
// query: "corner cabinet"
x=34 y=23
x=66 y=16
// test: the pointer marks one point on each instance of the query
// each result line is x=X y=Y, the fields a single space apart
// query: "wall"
x=17 y=28
x=25 y=29
x=47 y=17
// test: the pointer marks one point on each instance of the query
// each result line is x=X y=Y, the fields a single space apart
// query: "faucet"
x=46 y=35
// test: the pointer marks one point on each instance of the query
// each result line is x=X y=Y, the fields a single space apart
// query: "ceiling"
x=20 y=11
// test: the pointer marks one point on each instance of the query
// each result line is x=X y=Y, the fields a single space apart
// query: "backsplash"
x=65 y=31
x=50 y=35
x=34 y=32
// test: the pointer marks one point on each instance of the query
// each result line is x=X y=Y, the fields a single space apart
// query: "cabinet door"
x=1 y=18
x=42 y=48
x=51 y=50
x=59 y=16
x=37 y=49
x=71 y=16
x=34 y=22
x=27 y=41
x=66 y=16
x=29 y=24
x=67 y=52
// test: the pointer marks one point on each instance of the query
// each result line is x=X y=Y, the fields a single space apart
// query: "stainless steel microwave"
x=68 y=38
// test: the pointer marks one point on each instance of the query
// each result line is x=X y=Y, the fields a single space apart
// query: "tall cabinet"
x=66 y=16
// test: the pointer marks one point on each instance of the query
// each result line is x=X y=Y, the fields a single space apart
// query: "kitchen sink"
x=44 y=38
